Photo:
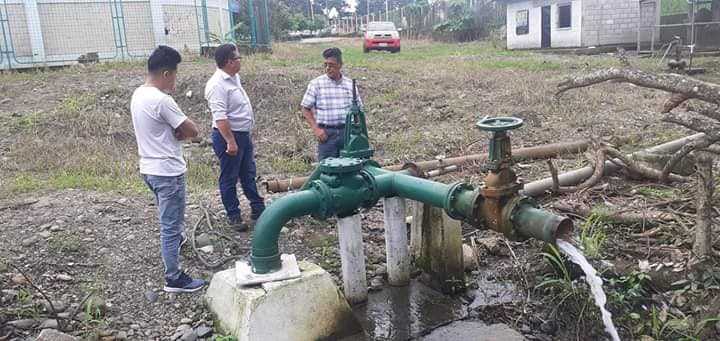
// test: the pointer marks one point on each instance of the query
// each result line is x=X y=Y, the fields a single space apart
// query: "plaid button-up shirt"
x=331 y=99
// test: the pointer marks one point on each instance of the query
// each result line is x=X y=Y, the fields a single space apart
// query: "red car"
x=381 y=35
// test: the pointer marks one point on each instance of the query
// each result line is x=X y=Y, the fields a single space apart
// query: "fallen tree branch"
x=702 y=143
x=680 y=85
x=651 y=217
x=589 y=182
x=641 y=170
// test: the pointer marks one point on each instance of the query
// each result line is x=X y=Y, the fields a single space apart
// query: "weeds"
x=24 y=183
x=26 y=121
x=660 y=193
x=592 y=237
x=74 y=104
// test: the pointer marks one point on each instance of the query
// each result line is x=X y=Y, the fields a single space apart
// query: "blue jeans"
x=170 y=198
x=237 y=167
x=331 y=147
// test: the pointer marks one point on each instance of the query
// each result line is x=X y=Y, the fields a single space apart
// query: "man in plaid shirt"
x=327 y=101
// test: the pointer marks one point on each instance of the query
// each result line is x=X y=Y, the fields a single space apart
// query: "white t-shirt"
x=155 y=116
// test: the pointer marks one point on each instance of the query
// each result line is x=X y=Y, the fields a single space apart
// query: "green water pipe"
x=265 y=253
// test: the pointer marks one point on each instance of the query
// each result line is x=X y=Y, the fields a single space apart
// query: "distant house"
x=578 y=23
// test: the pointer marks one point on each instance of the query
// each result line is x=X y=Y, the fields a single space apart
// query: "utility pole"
x=387 y=14
x=367 y=2
x=312 y=14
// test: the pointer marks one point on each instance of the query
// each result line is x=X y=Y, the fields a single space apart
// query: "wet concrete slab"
x=474 y=331
x=405 y=313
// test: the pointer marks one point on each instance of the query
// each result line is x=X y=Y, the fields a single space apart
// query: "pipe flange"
x=324 y=208
x=372 y=194
x=452 y=197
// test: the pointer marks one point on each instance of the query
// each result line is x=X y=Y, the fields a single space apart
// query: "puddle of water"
x=403 y=313
x=595 y=283
x=474 y=331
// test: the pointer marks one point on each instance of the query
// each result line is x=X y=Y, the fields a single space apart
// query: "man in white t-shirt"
x=160 y=126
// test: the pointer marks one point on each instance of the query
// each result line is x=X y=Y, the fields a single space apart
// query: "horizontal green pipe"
x=267 y=229
x=414 y=188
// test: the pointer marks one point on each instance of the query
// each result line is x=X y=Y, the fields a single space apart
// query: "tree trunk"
x=702 y=248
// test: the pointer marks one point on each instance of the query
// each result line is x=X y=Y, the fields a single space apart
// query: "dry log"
x=702 y=247
x=521 y=154
x=648 y=217
x=691 y=88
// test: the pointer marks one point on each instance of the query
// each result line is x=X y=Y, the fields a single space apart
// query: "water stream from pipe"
x=595 y=283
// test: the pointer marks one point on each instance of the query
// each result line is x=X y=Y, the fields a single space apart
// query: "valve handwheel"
x=496 y=124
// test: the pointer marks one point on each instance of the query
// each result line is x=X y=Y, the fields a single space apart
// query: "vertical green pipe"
x=231 y=20
x=265 y=255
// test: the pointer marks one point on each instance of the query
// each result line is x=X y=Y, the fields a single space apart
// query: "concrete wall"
x=138 y=27
x=610 y=22
x=19 y=29
x=559 y=37
x=53 y=32
x=72 y=29
x=182 y=27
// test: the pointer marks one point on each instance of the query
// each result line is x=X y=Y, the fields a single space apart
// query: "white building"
x=579 y=23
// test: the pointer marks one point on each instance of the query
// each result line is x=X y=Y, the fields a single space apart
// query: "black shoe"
x=256 y=215
x=237 y=224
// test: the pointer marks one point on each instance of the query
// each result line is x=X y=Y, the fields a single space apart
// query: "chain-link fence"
x=58 y=32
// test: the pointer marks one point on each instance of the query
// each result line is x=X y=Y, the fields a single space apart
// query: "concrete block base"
x=307 y=308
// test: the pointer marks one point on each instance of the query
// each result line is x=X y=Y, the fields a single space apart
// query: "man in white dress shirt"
x=232 y=122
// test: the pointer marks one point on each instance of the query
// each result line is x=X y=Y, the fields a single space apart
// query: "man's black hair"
x=333 y=52
x=224 y=53
x=164 y=58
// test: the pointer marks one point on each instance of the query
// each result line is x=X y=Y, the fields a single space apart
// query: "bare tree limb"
x=693 y=121
x=684 y=151
x=649 y=217
x=554 y=175
x=641 y=170
x=673 y=102
x=689 y=87
x=702 y=247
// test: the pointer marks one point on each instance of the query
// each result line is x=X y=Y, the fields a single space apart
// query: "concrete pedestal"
x=307 y=308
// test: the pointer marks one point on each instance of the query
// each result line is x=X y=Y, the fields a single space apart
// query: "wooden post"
x=396 y=241
x=437 y=247
x=352 y=258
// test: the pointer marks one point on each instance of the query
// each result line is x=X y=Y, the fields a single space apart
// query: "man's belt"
x=330 y=126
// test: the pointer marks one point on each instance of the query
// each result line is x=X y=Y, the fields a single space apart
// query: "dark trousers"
x=331 y=147
x=237 y=167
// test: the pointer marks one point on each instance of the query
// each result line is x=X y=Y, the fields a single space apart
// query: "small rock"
x=29 y=241
x=203 y=331
x=135 y=326
x=63 y=277
x=121 y=336
x=55 y=228
x=19 y=279
x=182 y=328
x=10 y=293
x=525 y=329
x=203 y=240
x=380 y=269
x=54 y=335
x=59 y=306
x=469 y=260
x=376 y=283
x=284 y=230
x=151 y=296
x=207 y=249
x=49 y=324
x=549 y=327
x=189 y=335
x=23 y=324
x=45 y=234
x=186 y=320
